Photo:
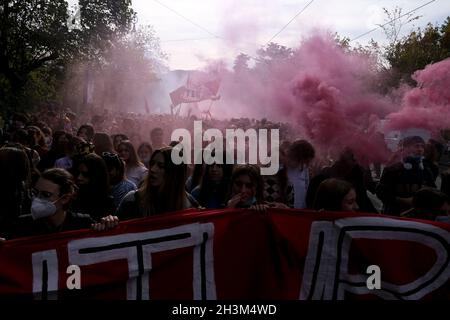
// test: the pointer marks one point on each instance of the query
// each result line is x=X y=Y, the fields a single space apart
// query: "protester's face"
x=18 y=124
x=157 y=138
x=117 y=141
x=156 y=170
x=445 y=209
x=124 y=153
x=215 y=173
x=83 y=175
x=243 y=184
x=144 y=153
x=48 y=140
x=83 y=134
x=349 y=202
x=417 y=149
x=47 y=190
x=296 y=163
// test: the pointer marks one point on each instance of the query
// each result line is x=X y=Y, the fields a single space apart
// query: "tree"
x=32 y=33
x=394 y=22
x=132 y=63
x=272 y=59
x=121 y=80
x=417 y=50
x=241 y=63
x=414 y=51
x=101 y=23
x=274 y=52
x=445 y=32
x=35 y=40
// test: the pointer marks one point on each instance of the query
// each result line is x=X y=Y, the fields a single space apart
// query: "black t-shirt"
x=25 y=226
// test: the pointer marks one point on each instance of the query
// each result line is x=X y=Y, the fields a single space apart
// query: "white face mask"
x=42 y=208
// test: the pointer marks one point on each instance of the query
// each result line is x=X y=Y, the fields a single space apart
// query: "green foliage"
x=36 y=44
x=274 y=52
x=417 y=50
x=121 y=79
x=133 y=61
x=32 y=33
x=102 y=22
x=395 y=20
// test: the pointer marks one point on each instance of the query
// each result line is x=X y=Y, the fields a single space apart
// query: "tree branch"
x=40 y=62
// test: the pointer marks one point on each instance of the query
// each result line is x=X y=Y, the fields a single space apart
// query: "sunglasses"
x=110 y=155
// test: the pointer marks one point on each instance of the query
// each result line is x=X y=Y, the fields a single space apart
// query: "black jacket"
x=402 y=181
x=25 y=226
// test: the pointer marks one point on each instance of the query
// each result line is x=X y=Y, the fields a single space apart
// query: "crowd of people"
x=63 y=171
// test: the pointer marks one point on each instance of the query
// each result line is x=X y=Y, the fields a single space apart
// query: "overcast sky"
x=244 y=25
x=224 y=28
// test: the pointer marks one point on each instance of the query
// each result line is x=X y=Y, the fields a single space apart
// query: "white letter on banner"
x=326 y=274
x=137 y=249
x=45 y=275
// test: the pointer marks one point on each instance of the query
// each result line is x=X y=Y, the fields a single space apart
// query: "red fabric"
x=198 y=79
x=199 y=86
x=236 y=254
x=177 y=96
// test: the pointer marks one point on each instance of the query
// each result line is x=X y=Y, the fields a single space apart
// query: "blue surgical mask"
x=249 y=202
x=413 y=159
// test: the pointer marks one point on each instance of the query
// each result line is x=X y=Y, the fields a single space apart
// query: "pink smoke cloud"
x=324 y=90
x=427 y=106
x=328 y=93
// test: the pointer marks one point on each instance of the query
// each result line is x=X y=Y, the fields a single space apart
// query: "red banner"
x=236 y=254
x=199 y=86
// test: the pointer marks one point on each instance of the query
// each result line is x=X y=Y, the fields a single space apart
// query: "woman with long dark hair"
x=57 y=151
x=118 y=138
x=214 y=186
x=93 y=187
x=335 y=195
x=162 y=191
x=37 y=140
x=102 y=143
